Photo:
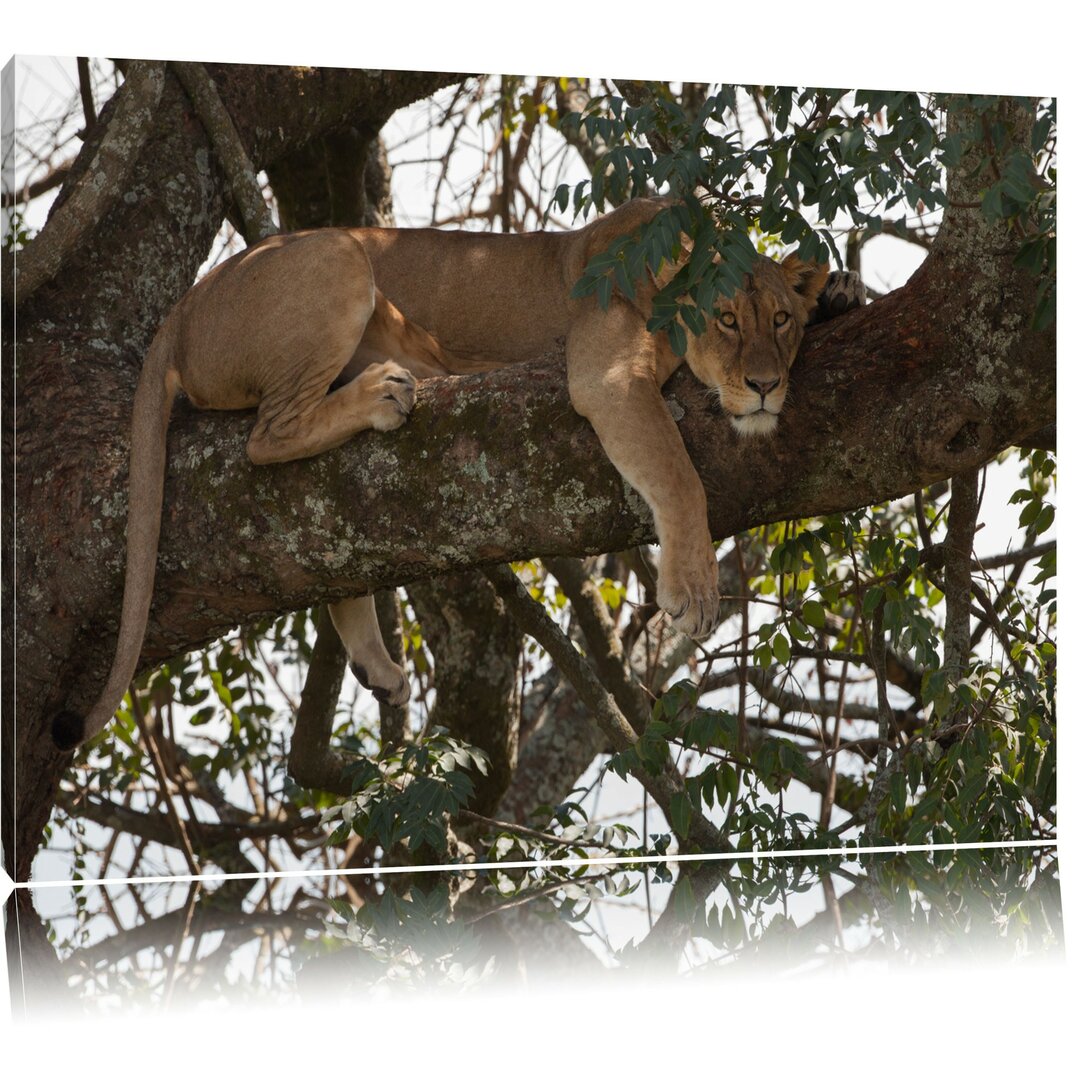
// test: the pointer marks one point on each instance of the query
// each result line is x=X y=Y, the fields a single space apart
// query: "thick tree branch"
x=1043 y=439
x=562 y=743
x=475 y=646
x=923 y=413
x=538 y=482
x=312 y=763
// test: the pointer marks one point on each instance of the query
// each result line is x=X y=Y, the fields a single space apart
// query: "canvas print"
x=405 y=469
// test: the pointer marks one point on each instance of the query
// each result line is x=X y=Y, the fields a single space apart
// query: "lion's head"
x=750 y=344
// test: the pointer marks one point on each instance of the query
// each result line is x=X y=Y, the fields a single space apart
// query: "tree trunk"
x=476 y=645
x=79 y=343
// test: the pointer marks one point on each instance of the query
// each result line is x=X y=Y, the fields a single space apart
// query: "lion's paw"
x=388 y=687
x=843 y=290
x=393 y=394
x=691 y=598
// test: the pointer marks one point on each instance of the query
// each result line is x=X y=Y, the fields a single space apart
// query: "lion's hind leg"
x=290 y=427
x=358 y=627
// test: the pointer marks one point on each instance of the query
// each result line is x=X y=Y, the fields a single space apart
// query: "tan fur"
x=276 y=325
x=508 y=298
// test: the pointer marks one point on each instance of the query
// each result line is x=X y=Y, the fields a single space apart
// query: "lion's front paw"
x=390 y=686
x=393 y=394
x=843 y=290
x=691 y=597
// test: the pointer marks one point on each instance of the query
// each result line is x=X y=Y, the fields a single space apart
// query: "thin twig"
x=532 y=834
x=829 y=797
x=1017 y=558
x=184 y=841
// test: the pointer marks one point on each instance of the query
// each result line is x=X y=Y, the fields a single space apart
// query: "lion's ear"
x=807 y=279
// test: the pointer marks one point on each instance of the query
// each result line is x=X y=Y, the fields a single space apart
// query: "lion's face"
x=749 y=346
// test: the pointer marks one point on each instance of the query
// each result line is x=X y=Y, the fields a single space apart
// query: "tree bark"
x=476 y=646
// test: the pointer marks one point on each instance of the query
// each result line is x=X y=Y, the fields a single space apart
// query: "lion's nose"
x=762 y=386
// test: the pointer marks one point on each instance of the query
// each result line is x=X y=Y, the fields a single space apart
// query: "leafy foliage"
x=407 y=795
x=826 y=156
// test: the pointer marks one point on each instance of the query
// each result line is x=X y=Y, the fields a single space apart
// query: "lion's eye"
x=780 y=318
x=728 y=319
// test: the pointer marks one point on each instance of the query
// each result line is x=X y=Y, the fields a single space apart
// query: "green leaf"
x=680 y=813
x=898 y=791
x=813 y=614
x=1044 y=520
x=682 y=896
x=781 y=648
x=914 y=773
x=1030 y=512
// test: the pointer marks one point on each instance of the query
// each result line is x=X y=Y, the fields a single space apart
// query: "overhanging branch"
x=227 y=144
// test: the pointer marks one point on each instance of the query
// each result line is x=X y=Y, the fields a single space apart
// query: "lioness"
x=296 y=327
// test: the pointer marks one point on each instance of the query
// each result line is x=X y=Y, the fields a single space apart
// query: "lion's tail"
x=146 y=481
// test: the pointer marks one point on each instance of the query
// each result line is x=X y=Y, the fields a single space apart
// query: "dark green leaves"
x=826 y=154
x=408 y=794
